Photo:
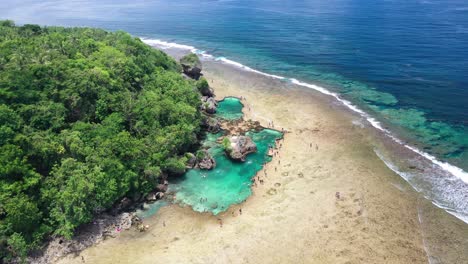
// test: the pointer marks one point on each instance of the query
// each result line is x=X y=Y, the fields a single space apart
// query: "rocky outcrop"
x=123 y=205
x=238 y=147
x=176 y=170
x=207 y=92
x=205 y=160
x=211 y=124
x=162 y=187
x=191 y=66
x=154 y=196
x=209 y=104
x=240 y=126
x=204 y=88
x=191 y=160
x=104 y=225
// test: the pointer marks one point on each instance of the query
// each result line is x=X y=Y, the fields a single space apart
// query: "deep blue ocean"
x=405 y=62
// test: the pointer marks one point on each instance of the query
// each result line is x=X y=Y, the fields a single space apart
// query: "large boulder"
x=238 y=147
x=209 y=104
x=191 y=66
x=205 y=160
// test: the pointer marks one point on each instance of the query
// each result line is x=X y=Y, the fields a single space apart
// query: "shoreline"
x=336 y=203
x=443 y=169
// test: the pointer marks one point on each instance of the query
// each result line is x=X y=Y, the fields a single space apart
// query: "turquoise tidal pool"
x=229 y=182
x=230 y=108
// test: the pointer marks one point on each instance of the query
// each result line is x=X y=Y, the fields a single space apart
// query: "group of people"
x=276 y=153
x=245 y=99
x=220 y=221
x=256 y=179
x=312 y=145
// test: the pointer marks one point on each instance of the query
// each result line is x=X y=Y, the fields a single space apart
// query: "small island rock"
x=238 y=147
x=205 y=160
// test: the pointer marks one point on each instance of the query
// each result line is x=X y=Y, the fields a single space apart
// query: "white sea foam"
x=394 y=168
x=455 y=171
x=407 y=176
x=167 y=45
x=204 y=54
x=347 y=103
x=242 y=66
x=462 y=217
x=459 y=173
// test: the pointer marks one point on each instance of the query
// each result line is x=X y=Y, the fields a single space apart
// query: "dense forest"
x=86 y=118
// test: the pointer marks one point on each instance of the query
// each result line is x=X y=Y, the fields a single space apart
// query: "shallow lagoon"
x=227 y=184
x=230 y=109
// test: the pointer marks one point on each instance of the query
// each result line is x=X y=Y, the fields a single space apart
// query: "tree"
x=17 y=246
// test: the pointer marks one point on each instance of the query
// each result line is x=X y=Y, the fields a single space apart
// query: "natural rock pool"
x=227 y=184
x=230 y=181
x=230 y=108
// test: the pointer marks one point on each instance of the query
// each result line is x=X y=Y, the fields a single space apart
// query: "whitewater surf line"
x=407 y=177
x=445 y=166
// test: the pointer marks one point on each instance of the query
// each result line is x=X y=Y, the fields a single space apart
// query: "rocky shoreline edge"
x=122 y=216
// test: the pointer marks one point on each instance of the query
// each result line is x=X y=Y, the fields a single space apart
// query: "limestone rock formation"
x=211 y=124
x=209 y=104
x=205 y=160
x=238 y=147
x=191 y=66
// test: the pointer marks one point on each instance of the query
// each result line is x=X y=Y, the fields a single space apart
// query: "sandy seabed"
x=326 y=198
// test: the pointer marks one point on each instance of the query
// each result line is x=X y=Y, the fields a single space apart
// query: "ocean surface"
x=401 y=64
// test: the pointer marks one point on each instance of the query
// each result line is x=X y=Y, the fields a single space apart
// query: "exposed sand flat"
x=331 y=200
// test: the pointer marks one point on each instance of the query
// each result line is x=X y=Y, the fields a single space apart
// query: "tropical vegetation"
x=87 y=117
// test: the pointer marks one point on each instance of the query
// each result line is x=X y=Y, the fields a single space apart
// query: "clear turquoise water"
x=227 y=184
x=230 y=108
